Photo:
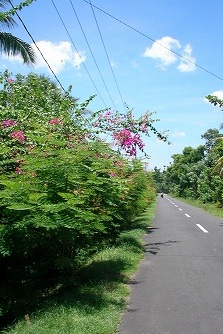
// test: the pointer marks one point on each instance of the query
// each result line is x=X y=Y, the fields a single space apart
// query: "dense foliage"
x=196 y=173
x=64 y=192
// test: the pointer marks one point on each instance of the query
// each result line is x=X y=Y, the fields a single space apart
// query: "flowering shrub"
x=64 y=192
x=128 y=141
x=126 y=131
x=54 y=121
x=8 y=122
x=18 y=135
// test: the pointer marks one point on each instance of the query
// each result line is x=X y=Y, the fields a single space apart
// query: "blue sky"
x=149 y=77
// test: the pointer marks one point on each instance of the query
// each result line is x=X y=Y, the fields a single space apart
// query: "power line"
x=153 y=40
x=92 y=53
x=78 y=52
x=106 y=52
x=37 y=46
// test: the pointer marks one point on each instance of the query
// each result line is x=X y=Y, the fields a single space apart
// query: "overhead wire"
x=62 y=21
x=106 y=87
x=106 y=52
x=153 y=40
x=34 y=42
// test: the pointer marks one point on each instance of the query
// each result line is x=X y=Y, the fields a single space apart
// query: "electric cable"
x=20 y=19
x=153 y=40
x=106 y=52
x=92 y=53
x=78 y=53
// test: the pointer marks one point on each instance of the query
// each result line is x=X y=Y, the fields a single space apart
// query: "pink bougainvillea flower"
x=143 y=127
x=128 y=141
x=55 y=121
x=18 y=135
x=8 y=122
x=108 y=113
x=112 y=174
x=18 y=171
x=10 y=80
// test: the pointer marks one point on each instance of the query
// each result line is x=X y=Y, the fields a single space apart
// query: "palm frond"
x=6 y=21
x=14 y=46
x=219 y=166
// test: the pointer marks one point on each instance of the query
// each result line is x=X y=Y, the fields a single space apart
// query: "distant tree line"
x=196 y=173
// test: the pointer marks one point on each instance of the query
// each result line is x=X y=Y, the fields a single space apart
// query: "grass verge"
x=95 y=305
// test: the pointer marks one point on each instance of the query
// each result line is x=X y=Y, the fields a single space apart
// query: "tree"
x=10 y=44
x=211 y=136
x=182 y=176
x=217 y=102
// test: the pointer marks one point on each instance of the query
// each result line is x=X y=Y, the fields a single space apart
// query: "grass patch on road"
x=96 y=303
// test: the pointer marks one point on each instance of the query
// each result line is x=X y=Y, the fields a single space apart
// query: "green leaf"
x=20 y=207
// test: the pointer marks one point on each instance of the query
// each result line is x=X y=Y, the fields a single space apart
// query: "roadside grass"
x=96 y=303
x=213 y=209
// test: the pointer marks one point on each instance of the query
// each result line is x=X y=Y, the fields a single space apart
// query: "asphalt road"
x=179 y=286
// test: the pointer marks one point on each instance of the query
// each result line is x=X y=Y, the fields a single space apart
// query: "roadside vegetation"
x=196 y=174
x=73 y=205
x=66 y=198
x=93 y=301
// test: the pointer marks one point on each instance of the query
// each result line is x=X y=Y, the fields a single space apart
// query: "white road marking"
x=180 y=209
x=176 y=206
x=202 y=228
x=187 y=215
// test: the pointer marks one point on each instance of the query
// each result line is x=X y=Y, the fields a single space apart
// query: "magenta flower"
x=54 y=121
x=112 y=174
x=18 y=135
x=18 y=171
x=128 y=141
x=8 y=122
x=10 y=80
x=123 y=137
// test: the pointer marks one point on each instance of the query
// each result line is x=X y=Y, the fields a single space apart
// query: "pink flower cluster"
x=18 y=135
x=55 y=121
x=128 y=141
x=10 y=80
x=8 y=122
x=18 y=171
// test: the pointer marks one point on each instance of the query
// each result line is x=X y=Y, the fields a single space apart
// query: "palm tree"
x=10 y=44
x=218 y=168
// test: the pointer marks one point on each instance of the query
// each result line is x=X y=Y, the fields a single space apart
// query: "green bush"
x=64 y=193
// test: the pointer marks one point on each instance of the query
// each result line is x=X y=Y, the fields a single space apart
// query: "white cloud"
x=164 y=50
x=11 y=58
x=57 y=55
x=161 y=50
x=187 y=66
x=78 y=58
x=218 y=93
x=178 y=134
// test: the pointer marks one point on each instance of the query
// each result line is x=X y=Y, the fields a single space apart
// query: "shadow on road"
x=151 y=229
x=154 y=247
